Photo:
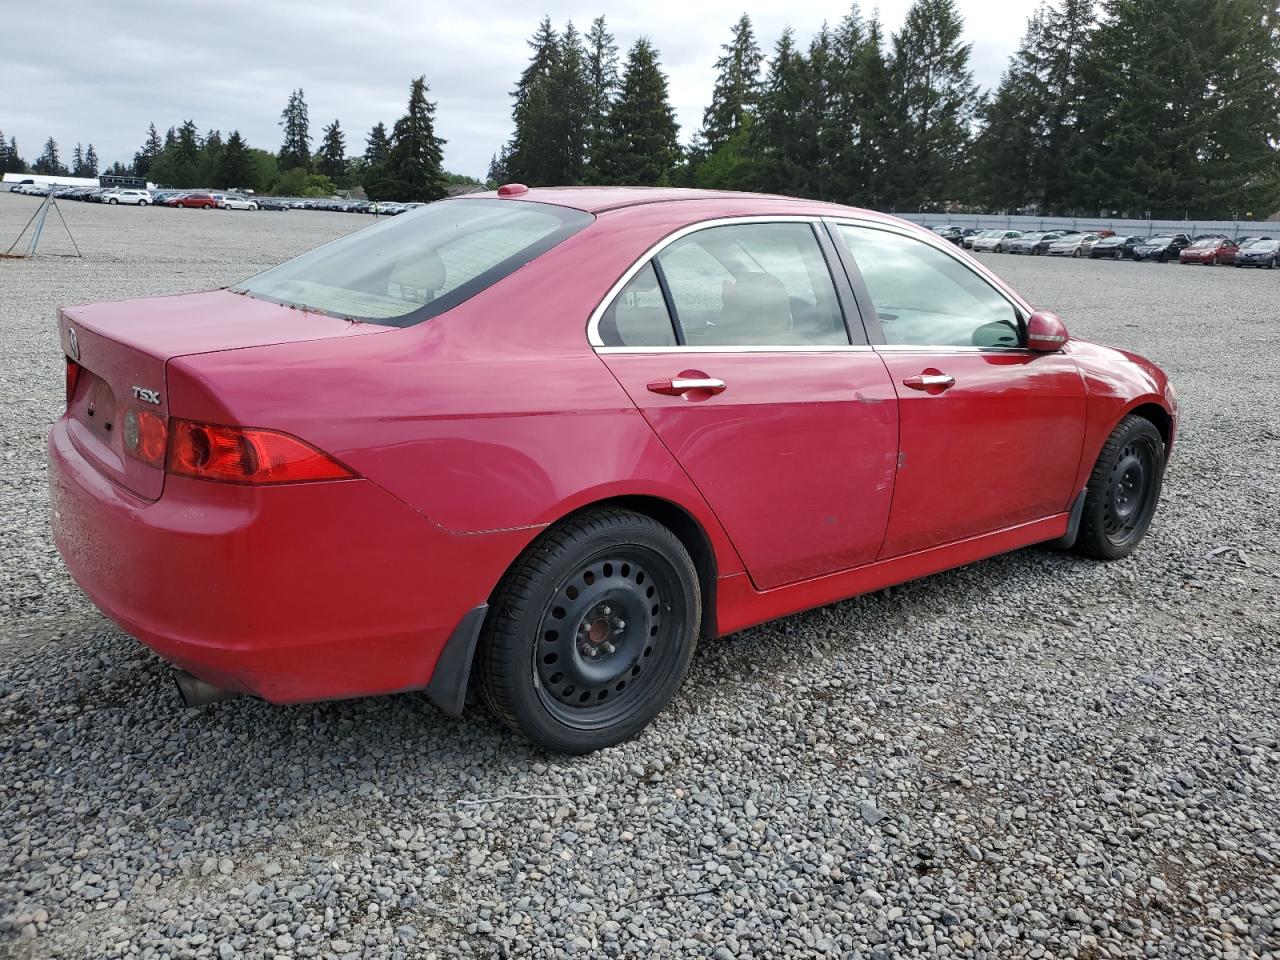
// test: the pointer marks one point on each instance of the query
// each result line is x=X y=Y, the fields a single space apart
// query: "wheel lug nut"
x=606 y=610
x=619 y=624
x=608 y=647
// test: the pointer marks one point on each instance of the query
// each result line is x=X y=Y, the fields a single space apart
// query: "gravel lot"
x=1033 y=756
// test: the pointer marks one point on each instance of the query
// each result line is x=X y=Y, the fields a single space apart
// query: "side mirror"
x=1046 y=332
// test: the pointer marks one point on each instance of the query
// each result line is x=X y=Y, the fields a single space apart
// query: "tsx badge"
x=148 y=396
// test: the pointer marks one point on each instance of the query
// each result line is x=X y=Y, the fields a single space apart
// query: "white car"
x=1075 y=245
x=137 y=197
x=994 y=240
x=233 y=201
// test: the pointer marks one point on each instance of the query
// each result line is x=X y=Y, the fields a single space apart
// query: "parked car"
x=1258 y=253
x=1162 y=247
x=1207 y=251
x=1034 y=243
x=234 y=201
x=1114 y=247
x=1242 y=243
x=203 y=201
x=271 y=203
x=298 y=546
x=1074 y=245
x=951 y=234
x=995 y=240
x=140 y=198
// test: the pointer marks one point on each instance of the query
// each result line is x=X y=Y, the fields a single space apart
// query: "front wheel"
x=1123 y=490
x=1118 y=255
x=591 y=631
x=999 y=249
x=113 y=201
x=1075 y=252
x=142 y=203
x=1271 y=264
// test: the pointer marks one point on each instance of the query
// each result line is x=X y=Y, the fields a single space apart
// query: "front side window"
x=753 y=284
x=416 y=266
x=926 y=298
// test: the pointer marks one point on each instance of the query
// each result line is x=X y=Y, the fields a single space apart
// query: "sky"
x=86 y=75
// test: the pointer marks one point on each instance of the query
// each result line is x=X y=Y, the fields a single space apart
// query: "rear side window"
x=753 y=285
x=638 y=316
x=419 y=264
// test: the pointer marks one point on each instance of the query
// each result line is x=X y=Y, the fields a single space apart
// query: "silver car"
x=994 y=240
x=1074 y=245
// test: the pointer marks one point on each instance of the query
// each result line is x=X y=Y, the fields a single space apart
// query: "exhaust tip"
x=196 y=692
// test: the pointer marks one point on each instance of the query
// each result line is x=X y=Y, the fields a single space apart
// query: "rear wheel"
x=1123 y=490
x=591 y=631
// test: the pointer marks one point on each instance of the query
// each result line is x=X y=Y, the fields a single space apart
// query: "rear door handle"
x=678 y=386
x=930 y=381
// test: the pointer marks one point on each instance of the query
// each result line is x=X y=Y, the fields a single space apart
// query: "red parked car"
x=549 y=439
x=1209 y=251
x=203 y=201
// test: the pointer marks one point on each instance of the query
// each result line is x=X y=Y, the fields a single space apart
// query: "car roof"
x=715 y=203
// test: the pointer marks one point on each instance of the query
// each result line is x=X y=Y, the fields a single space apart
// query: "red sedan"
x=1209 y=251
x=202 y=201
x=544 y=441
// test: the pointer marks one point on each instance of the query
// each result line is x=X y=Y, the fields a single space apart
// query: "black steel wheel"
x=591 y=631
x=1123 y=490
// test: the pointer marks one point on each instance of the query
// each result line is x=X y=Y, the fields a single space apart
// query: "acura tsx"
x=541 y=442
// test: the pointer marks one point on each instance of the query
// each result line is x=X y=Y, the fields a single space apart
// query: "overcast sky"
x=86 y=71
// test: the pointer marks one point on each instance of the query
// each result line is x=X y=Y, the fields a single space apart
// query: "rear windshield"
x=420 y=264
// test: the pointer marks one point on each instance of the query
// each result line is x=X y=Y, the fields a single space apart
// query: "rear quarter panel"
x=495 y=416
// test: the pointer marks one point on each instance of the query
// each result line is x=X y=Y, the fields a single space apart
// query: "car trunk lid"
x=120 y=351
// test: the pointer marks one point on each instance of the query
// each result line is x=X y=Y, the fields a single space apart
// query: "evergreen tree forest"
x=1156 y=108
x=1139 y=107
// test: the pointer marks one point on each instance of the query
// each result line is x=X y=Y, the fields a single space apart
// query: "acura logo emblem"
x=73 y=344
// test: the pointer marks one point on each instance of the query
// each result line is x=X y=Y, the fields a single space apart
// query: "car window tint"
x=925 y=297
x=418 y=265
x=757 y=284
x=638 y=315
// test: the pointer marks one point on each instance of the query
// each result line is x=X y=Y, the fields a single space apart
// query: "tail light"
x=73 y=375
x=145 y=436
x=246 y=455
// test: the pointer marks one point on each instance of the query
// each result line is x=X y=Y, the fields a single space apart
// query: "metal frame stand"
x=38 y=218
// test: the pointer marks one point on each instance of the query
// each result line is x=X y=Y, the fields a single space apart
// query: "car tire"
x=1164 y=258
x=1118 y=255
x=1213 y=261
x=208 y=206
x=113 y=201
x=143 y=203
x=999 y=249
x=1271 y=264
x=1075 y=253
x=558 y=664
x=1123 y=490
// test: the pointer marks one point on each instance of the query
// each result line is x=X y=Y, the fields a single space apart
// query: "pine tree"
x=376 y=153
x=776 y=134
x=876 y=118
x=936 y=99
x=331 y=158
x=534 y=149
x=642 y=145
x=414 y=166
x=736 y=93
x=571 y=93
x=210 y=163
x=170 y=138
x=1182 y=108
x=602 y=86
x=91 y=162
x=77 y=161
x=295 y=152
x=14 y=162
x=235 y=167
x=49 y=163
x=151 y=149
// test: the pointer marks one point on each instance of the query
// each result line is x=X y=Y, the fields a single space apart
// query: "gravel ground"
x=1033 y=756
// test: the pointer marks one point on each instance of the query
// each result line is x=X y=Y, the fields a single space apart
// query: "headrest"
x=420 y=275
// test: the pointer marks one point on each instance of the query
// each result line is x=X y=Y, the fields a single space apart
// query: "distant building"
x=12 y=180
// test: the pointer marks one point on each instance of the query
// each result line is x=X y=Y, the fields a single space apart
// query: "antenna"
x=38 y=218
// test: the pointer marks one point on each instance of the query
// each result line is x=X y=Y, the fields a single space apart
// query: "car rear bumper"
x=291 y=593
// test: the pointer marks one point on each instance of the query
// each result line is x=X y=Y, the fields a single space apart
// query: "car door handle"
x=930 y=381
x=678 y=386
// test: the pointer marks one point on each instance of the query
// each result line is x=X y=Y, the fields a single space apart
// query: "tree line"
x=1137 y=107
